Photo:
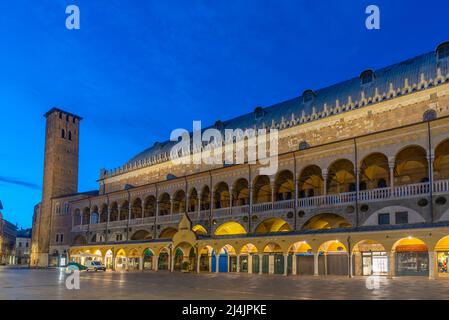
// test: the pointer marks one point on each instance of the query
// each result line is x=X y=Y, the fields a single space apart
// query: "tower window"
x=67 y=118
x=63 y=134
x=443 y=51
x=70 y=135
x=367 y=77
x=308 y=96
x=429 y=115
x=60 y=115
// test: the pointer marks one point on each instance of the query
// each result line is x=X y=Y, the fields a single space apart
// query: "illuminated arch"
x=167 y=233
x=441 y=162
x=368 y=245
x=374 y=172
x=248 y=248
x=179 y=202
x=199 y=229
x=141 y=235
x=409 y=241
x=273 y=225
x=150 y=207
x=284 y=186
x=240 y=192
x=332 y=246
x=300 y=247
x=136 y=209
x=221 y=196
x=164 y=204
x=230 y=228
x=272 y=247
x=262 y=189
x=411 y=166
x=341 y=177
x=326 y=221
x=310 y=182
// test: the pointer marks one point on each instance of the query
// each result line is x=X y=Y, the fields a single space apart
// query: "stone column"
x=391 y=264
x=260 y=263
x=433 y=272
x=294 y=265
x=210 y=263
x=171 y=205
x=172 y=262
x=198 y=259
x=357 y=181
x=351 y=262
x=325 y=263
x=315 y=264
x=273 y=187
x=114 y=262
x=285 y=264
x=155 y=263
x=324 y=174
x=238 y=263
x=217 y=263
x=250 y=263
x=391 y=165
x=140 y=263
x=270 y=264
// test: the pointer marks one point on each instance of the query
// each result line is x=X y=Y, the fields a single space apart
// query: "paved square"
x=50 y=284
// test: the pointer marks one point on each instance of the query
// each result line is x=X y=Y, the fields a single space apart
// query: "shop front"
x=374 y=263
x=412 y=260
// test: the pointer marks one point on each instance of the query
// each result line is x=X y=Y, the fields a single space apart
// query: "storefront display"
x=412 y=260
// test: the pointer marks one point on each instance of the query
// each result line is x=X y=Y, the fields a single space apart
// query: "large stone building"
x=362 y=188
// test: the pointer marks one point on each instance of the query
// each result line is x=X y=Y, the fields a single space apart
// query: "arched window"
x=308 y=96
x=63 y=134
x=70 y=135
x=429 y=115
x=366 y=77
x=443 y=51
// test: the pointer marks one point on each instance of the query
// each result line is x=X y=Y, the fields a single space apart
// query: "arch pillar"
x=140 y=263
x=238 y=263
x=324 y=175
x=391 y=165
x=433 y=271
x=285 y=264
x=391 y=264
x=315 y=264
x=217 y=262
x=260 y=263
x=250 y=263
x=294 y=265
x=156 y=263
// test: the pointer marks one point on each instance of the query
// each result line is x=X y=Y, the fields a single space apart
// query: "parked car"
x=95 y=266
x=75 y=266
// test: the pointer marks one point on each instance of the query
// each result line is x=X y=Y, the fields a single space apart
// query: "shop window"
x=402 y=217
x=383 y=218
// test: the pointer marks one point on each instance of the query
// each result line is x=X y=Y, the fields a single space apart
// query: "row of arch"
x=271 y=225
x=411 y=166
x=203 y=259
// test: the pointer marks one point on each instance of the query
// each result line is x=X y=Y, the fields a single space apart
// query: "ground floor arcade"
x=402 y=252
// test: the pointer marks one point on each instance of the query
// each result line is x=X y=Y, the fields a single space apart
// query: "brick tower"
x=60 y=176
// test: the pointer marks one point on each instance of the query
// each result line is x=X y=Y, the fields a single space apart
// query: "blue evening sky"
x=139 y=68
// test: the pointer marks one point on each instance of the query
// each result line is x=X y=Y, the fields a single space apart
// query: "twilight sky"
x=139 y=68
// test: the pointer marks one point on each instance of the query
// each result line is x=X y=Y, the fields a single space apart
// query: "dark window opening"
x=402 y=217
x=63 y=134
x=383 y=218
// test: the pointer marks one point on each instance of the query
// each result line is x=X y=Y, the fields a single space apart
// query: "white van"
x=95 y=266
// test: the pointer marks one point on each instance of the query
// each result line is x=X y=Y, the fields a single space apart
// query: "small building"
x=8 y=233
x=23 y=246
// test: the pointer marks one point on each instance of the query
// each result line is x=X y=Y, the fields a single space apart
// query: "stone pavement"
x=50 y=284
